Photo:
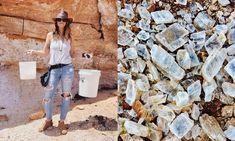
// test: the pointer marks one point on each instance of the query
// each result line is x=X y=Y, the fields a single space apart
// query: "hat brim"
x=69 y=19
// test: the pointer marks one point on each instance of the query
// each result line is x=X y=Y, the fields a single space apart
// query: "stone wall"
x=25 y=24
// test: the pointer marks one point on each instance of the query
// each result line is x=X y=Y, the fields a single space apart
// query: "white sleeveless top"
x=60 y=52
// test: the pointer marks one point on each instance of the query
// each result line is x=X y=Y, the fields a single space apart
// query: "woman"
x=59 y=46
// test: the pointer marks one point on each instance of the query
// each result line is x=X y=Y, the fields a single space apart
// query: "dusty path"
x=83 y=119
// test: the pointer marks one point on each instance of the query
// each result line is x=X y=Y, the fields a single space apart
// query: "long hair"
x=66 y=33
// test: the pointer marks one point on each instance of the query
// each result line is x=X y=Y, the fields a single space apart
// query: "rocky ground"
x=176 y=70
x=90 y=119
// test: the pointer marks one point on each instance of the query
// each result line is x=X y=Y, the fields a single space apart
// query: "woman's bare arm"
x=72 y=50
x=45 y=50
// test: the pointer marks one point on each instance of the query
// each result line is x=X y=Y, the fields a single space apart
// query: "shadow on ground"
x=97 y=122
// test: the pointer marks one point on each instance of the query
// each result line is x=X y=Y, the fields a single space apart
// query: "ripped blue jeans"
x=65 y=75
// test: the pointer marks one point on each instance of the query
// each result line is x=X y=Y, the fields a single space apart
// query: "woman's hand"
x=30 y=52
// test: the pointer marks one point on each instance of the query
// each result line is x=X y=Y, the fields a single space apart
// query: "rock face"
x=24 y=25
x=81 y=11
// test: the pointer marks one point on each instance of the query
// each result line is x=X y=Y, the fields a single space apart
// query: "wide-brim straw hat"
x=63 y=15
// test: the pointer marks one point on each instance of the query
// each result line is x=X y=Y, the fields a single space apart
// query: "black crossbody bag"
x=46 y=76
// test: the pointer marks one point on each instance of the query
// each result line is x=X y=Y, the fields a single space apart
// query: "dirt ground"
x=91 y=119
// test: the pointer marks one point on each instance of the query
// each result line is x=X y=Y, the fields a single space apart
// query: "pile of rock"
x=176 y=70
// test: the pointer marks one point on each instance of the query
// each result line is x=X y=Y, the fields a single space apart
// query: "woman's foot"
x=63 y=127
x=46 y=125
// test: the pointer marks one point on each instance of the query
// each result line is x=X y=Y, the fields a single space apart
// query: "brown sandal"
x=63 y=127
x=46 y=125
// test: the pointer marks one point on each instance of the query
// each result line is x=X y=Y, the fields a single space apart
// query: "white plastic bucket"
x=89 y=82
x=27 y=70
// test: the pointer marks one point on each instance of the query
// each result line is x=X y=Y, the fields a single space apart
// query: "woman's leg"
x=48 y=99
x=49 y=94
x=66 y=81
